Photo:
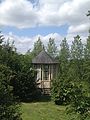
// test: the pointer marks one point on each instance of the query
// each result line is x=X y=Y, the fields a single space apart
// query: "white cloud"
x=23 y=14
x=81 y=28
x=18 y=13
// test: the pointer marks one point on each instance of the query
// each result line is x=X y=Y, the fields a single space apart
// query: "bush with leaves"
x=60 y=84
x=59 y=92
x=73 y=94
x=79 y=102
x=62 y=91
x=9 y=108
x=25 y=87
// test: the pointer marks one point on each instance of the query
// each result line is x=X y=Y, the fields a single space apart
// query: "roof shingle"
x=43 y=58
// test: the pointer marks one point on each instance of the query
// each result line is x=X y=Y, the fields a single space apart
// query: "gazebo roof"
x=43 y=58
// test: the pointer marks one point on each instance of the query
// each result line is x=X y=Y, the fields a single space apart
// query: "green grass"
x=45 y=111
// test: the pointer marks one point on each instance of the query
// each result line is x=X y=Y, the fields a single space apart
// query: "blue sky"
x=37 y=30
x=25 y=20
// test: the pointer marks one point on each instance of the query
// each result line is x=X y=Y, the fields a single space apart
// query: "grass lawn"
x=45 y=111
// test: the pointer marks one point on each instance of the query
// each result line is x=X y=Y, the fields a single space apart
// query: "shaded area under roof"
x=44 y=58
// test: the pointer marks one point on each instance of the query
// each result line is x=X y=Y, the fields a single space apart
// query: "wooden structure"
x=47 y=69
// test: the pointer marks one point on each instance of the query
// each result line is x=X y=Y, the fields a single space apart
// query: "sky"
x=25 y=20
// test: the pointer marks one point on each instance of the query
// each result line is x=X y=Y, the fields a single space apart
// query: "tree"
x=75 y=70
x=24 y=84
x=9 y=108
x=79 y=100
x=9 y=56
x=87 y=48
x=38 y=47
x=77 y=55
x=51 y=48
x=1 y=38
x=25 y=87
x=86 y=65
x=68 y=87
x=64 y=55
x=77 y=48
x=60 y=84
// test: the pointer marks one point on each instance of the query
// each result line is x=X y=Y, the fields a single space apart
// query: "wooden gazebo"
x=47 y=69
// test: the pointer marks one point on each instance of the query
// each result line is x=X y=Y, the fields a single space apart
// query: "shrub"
x=9 y=108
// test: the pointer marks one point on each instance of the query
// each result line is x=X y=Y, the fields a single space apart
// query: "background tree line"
x=72 y=85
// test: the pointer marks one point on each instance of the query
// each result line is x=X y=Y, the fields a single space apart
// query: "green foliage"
x=73 y=94
x=74 y=75
x=25 y=86
x=51 y=48
x=79 y=103
x=87 y=48
x=24 y=79
x=9 y=108
x=64 y=56
x=38 y=47
x=64 y=53
x=9 y=57
x=59 y=91
x=1 y=38
x=77 y=48
x=77 y=55
x=59 y=84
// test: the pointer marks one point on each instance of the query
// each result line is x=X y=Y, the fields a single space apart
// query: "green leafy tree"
x=64 y=50
x=79 y=102
x=59 y=84
x=51 y=48
x=77 y=48
x=86 y=65
x=77 y=55
x=87 y=48
x=68 y=87
x=1 y=38
x=64 y=56
x=9 y=57
x=38 y=47
x=9 y=108
x=25 y=86
x=79 y=99
x=75 y=70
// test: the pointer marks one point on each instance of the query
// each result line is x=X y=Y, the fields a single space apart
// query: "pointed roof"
x=43 y=58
